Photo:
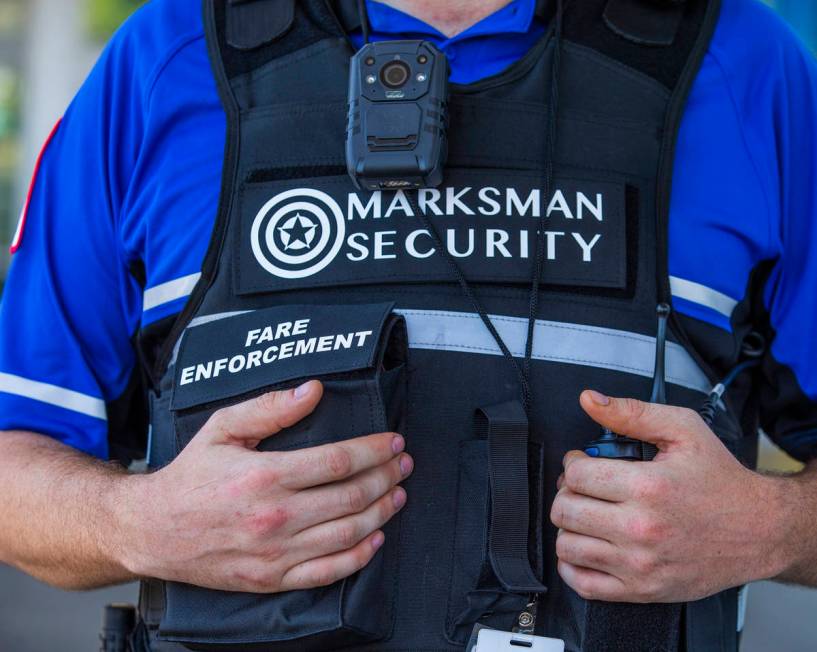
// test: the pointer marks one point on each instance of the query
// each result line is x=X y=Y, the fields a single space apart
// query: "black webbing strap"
x=506 y=427
x=253 y=23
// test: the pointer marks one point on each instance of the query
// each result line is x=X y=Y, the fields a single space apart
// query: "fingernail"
x=406 y=465
x=598 y=398
x=378 y=540
x=301 y=391
x=399 y=498
x=398 y=444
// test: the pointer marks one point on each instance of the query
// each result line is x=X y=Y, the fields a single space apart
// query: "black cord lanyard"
x=522 y=371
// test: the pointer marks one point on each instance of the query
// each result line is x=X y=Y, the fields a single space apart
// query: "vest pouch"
x=359 y=353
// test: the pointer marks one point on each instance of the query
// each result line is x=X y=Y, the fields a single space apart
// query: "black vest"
x=307 y=278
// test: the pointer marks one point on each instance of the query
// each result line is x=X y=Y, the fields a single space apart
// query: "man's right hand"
x=223 y=515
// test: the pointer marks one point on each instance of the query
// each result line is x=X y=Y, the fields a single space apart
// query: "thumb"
x=249 y=422
x=648 y=422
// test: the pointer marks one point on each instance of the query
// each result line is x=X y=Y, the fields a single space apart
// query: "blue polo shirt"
x=124 y=198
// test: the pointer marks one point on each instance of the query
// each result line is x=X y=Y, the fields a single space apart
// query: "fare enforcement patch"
x=322 y=232
x=228 y=357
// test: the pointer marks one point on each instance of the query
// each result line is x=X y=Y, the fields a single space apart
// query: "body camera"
x=396 y=133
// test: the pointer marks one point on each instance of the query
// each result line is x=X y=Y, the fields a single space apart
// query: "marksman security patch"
x=238 y=354
x=322 y=232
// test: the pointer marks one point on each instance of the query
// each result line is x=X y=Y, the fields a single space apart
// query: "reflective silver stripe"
x=206 y=319
x=702 y=295
x=170 y=291
x=743 y=601
x=53 y=395
x=577 y=344
x=590 y=346
x=200 y=321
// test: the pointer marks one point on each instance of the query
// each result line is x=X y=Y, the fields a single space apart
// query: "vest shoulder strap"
x=253 y=23
x=247 y=34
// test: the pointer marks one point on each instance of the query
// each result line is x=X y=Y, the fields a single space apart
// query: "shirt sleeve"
x=788 y=399
x=70 y=305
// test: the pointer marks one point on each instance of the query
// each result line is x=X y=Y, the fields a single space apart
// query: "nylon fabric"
x=291 y=232
x=506 y=426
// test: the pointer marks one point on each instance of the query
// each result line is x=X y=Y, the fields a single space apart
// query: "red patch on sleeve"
x=21 y=224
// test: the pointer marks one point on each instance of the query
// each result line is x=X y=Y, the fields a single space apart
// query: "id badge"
x=493 y=640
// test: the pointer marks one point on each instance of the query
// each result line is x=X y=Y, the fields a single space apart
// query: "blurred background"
x=46 y=49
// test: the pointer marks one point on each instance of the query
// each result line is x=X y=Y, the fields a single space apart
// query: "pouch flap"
x=227 y=357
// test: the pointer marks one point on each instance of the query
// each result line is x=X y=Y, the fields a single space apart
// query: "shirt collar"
x=514 y=18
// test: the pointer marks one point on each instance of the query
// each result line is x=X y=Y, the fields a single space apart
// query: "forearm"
x=797 y=495
x=60 y=513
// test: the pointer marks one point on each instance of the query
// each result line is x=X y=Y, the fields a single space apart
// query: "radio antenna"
x=659 y=386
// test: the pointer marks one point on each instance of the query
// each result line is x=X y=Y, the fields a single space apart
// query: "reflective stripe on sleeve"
x=54 y=395
x=170 y=291
x=702 y=295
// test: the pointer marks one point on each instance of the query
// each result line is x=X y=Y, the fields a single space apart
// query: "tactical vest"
x=306 y=277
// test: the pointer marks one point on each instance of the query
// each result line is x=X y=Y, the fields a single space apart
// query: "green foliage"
x=104 y=16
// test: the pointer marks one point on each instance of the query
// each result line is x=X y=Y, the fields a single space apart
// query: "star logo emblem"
x=297 y=233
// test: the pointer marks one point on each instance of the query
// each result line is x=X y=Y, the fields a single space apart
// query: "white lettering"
x=559 y=203
x=266 y=335
x=380 y=244
x=493 y=206
x=452 y=244
x=361 y=337
x=531 y=203
x=587 y=249
x=452 y=201
x=270 y=355
x=254 y=359
x=362 y=251
x=375 y=205
x=187 y=375
x=428 y=198
x=411 y=246
x=303 y=347
x=344 y=341
x=496 y=240
x=204 y=371
x=252 y=336
x=301 y=327
x=399 y=203
x=325 y=344
x=237 y=363
x=596 y=209
x=551 y=243
x=283 y=330
x=286 y=350
x=221 y=365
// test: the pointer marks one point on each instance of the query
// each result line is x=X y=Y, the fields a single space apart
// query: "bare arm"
x=221 y=515
x=798 y=497
x=59 y=512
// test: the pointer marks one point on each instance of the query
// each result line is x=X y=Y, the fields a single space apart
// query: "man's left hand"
x=688 y=524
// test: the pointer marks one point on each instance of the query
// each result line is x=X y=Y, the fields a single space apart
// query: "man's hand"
x=225 y=516
x=688 y=524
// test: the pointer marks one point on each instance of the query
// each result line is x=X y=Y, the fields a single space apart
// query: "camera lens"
x=395 y=74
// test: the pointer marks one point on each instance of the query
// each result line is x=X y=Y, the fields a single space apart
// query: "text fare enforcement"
x=301 y=345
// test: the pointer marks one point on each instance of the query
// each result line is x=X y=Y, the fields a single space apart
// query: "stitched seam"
x=160 y=68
